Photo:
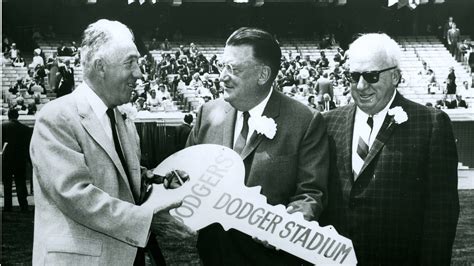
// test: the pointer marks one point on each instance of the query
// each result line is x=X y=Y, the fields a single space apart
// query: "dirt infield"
x=17 y=238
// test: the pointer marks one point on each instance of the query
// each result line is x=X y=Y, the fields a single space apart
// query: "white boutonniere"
x=263 y=125
x=398 y=114
x=128 y=111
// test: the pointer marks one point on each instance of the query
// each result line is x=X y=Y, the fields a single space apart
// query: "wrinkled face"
x=121 y=72
x=241 y=86
x=372 y=97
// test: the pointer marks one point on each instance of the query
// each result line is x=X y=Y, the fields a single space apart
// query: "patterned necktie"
x=363 y=145
x=110 y=114
x=242 y=139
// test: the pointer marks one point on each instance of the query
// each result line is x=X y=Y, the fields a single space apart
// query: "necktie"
x=242 y=139
x=363 y=145
x=110 y=114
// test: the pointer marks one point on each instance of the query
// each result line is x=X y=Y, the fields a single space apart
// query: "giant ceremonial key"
x=216 y=193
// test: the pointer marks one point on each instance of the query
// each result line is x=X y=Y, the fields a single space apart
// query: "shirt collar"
x=257 y=111
x=98 y=106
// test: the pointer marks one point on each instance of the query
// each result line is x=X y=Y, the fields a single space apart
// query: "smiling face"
x=372 y=97
x=241 y=88
x=121 y=71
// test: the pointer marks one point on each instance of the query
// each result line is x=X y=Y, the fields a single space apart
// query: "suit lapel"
x=92 y=125
x=385 y=132
x=272 y=110
x=228 y=126
x=348 y=132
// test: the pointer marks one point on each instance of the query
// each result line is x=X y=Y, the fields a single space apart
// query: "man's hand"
x=159 y=203
x=165 y=225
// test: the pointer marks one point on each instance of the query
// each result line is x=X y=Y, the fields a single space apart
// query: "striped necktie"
x=242 y=139
x=363 y=145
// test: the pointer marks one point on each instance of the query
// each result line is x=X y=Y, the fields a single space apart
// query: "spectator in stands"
x=37 y=59
x=74 y=49
x=15 y=156
x=454 y=36
x=447 y=26
x=324 y=85
x=311 y=102
x=20 y=85
x=465 y=92
x=464 y=50
x=6 y=43
x=32 y=108
x=327 y=104
x=14 y=52
x=196 y=81
x=393 y=189
x=193 y=50
x=323 y=61
x=36 y=88
x=20 y=106
x=66 y=83
x=64 y=50
x=429 y=104
x=431 y=82
x=19 y=61
x=183 y=131
x=53 y=75
x=459 y=102
x=340 y=56
x=451 y=82
x=152 y=100
x=166 y=46
x=162 y=93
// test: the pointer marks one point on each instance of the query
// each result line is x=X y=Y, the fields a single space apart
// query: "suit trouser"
x=18 y=175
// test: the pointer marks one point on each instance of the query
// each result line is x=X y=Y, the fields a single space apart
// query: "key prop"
x=215 y=193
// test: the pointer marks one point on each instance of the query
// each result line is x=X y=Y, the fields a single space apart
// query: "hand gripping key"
x=216 y=193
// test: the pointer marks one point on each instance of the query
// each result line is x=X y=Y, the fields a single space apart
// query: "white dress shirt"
x=98 y=107
x=360 y=120
x=257 y=111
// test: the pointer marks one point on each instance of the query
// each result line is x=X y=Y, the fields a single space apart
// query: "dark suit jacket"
x=291 y=168
x=182 y=134
x=18 y=136
x=403 y=207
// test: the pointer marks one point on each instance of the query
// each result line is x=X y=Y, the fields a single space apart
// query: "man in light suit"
x=393 y=182
x=86 y=159
x=289 y=163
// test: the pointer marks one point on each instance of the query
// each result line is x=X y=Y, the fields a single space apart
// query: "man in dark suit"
x=15 y=159
x=66 y=85
x=327 y=104
x=324 y=85
x=393 y=182
x=183 y=131
x=288 y=158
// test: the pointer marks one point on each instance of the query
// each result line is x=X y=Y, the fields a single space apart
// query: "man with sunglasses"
x=393 y=176
x=290 y=165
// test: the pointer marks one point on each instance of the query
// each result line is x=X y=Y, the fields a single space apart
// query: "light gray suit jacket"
x=85 y=212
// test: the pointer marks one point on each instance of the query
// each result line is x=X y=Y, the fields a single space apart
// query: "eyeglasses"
x=232 y=70
x=370 y=77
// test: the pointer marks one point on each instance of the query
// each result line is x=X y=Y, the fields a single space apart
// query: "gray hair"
x=97 y=39
x=380 y=43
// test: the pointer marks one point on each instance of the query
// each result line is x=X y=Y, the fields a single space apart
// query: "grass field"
x=17 y=238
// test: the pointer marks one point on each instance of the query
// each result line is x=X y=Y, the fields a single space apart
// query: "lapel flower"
x=398 y=114
x=263 y=125
x=128 y=111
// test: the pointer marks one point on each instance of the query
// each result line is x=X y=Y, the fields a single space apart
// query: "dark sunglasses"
x=370 y=77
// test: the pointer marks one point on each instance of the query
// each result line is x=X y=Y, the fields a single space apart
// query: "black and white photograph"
x=237 y=132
